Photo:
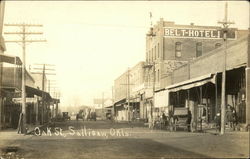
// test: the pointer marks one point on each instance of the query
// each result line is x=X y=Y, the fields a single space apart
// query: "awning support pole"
x=216 y=95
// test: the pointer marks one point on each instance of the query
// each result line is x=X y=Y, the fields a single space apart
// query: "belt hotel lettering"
x=196 y=33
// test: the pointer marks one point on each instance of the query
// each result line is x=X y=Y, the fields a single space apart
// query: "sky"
x=92 y=43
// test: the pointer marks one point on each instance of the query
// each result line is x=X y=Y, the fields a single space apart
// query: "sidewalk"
x=12 y=134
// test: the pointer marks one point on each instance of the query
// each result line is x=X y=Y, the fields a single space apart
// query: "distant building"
x=130 y=88
x=39 y=81
x=100 y=103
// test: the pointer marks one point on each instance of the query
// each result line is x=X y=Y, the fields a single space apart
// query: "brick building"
x=185 y=70
x=130 y=88
x=198 y=84
x=170 y=46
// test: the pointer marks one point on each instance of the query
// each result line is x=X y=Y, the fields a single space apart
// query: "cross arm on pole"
x=28 y=25
x=23 y=33
x=17 y=41
x=45 y=69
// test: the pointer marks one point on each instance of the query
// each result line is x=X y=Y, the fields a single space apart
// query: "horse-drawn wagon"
x=179 y=118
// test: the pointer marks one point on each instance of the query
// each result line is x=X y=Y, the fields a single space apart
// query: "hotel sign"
x=198 y=33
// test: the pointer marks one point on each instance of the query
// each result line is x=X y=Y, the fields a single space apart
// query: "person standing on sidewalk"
x=189 y=118
x=218 y=121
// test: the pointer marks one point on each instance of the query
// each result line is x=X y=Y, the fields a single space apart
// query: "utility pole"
x=24 y=33
x=103 y=104
x=225 y=30
x=113 y=101
x=44 y=73
x=153 y=89
x=151 y=34
x=128 y=95
x=128 y=90
x=51 y=84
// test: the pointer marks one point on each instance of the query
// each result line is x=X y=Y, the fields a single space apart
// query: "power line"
x=113 y=25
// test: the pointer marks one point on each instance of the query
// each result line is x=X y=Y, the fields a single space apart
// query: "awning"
x=2 y=43
x=195 y=82
x=33 y=91
x=10 y=59
x=122 y=101
x=54 y=100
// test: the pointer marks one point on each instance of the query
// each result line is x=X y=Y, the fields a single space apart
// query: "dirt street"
x=104 y=139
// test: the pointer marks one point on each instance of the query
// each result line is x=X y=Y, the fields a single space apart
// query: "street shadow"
x=103 y=149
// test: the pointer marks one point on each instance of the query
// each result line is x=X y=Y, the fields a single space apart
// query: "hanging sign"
x=28 y=100
x=198 y=33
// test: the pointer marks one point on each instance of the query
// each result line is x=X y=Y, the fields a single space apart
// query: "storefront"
x=203 y=96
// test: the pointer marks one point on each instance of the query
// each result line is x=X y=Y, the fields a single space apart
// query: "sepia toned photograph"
x=144 y=79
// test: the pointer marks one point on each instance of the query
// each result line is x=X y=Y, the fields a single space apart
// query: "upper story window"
x=198 y=49
x=217 y=45
x=178 y=49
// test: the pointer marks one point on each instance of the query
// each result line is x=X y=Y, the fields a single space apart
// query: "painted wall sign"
x=198 y=33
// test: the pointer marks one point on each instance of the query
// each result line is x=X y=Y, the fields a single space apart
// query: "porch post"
x=216 y=94
x=56 y=108
x=36 y=109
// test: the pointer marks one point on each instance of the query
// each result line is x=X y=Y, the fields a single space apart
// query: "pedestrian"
x=189 y=118
x=150 y=122
x=164 y=120
x=230 y=117
x=218 y=122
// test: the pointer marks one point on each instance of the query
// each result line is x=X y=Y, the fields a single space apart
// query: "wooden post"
x=36 y=109
x=225 y=29
x=223 y=87
x=23 y=124
x=56 y=108
x=128 y=96
x=200 y=120
x=216 y=95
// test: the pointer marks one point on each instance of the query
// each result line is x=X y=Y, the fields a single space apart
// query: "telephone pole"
x=225 y=24
x=44 y=73
x=103 y=105
x=151 y=34
x=23 y=33
x=128 y=90
x=128 y=95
